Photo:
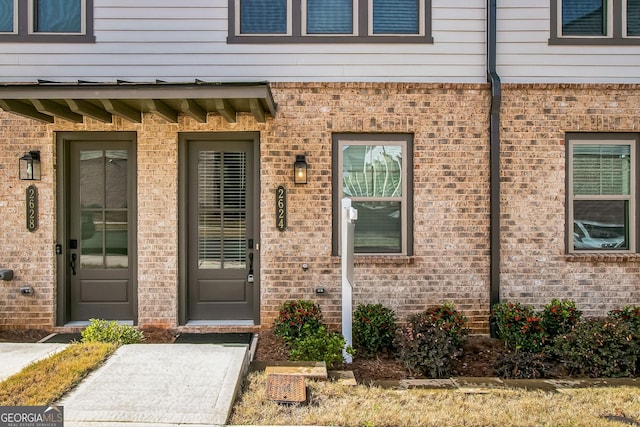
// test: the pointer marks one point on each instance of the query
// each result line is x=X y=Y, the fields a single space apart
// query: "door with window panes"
x=101 y=231
x=222 y=250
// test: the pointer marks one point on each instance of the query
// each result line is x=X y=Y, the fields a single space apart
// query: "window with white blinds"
x=601 y=193
x=373 y=172
x=615 y=22
x=7 y=16
x=46 y=21
x=329 y=16
x=222 y=179
x=633 y=18
x=263 y=16
x=396 y=16
x=584 y=17
x=326 y=21
x=57 y=16
x=600 y=169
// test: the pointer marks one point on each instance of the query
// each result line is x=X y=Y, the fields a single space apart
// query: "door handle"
x=250 y=277
x=74 y=257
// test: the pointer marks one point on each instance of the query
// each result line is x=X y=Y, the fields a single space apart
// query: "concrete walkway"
x=159 y=385
x=16 y=356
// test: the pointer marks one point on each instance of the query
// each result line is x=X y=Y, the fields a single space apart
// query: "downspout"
x=494 y=144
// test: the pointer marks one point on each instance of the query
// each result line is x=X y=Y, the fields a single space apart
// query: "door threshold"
x=83 y=323
x=220 y=323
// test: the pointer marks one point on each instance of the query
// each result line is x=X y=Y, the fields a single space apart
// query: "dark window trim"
x=336 y=138
x=607 y=255
x=616 y=38
x=24 y=36
x=297 y=36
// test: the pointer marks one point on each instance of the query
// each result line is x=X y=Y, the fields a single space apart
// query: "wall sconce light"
x=300 y=169
x=30 y=166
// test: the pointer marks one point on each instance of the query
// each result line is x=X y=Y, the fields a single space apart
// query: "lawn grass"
x=44 y=382
x=362 y=406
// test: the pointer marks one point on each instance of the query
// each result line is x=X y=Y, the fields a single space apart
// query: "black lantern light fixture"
x=30 y=166
x=300 y=169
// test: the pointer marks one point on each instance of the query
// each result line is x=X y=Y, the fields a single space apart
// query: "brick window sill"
x=360 y=260
x=610 y=258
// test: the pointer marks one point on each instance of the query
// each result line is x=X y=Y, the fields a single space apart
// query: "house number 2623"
x=32 y=208
x=281 y=208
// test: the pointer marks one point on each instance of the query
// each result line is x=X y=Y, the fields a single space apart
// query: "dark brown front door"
x=101 y=236
x=222 y=247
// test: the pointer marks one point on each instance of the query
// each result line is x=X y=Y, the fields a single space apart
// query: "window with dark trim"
x=329 y=21
x=46 y=21
x=595 y=22
x=602 y=193
x=375 y=172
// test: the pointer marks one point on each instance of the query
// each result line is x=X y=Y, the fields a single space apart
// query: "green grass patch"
x=46 y=381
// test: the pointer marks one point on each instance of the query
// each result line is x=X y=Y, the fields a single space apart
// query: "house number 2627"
x=32 y=208
x=281 y=208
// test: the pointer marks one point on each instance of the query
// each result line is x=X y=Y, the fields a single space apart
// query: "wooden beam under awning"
x=46 y=101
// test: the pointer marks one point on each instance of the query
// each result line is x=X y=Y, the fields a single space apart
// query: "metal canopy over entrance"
x=45 y=101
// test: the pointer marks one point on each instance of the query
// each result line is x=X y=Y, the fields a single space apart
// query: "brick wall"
x=451 y=197
x=451 y=201
x=535 y=267
x=30 y=255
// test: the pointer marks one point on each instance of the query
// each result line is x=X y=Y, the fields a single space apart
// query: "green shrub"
x=319 y=345
x=296 y=315
x=426 y=349
x=519 y=327
x=600 y=348
x=431 y=341
x=559 y=317
x=374 y=328
x=450 y=320
x=100 y=330
x=629 y=314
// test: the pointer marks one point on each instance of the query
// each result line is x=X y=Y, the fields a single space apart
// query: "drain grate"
x=286 y=388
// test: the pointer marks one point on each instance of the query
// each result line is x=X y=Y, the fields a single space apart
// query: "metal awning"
x=46 y=100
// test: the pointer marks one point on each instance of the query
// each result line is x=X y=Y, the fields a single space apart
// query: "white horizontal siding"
x=182 y=41
x=524 y=53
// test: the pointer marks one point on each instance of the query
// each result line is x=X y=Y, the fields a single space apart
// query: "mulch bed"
x=152 y=336
x=477 y=360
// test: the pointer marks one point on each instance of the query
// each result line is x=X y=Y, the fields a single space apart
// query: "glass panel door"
x=100 y=229
x=221 y=252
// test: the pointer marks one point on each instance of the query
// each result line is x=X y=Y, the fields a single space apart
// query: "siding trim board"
x=44 y=101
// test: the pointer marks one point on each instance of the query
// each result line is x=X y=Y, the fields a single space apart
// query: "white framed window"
x=43 y=21
x=586 y=18
x=8 y=16
x=329 y=17
x=631 y=21
x=595 y=22
x=57 y=16
x=263 y=17
x=396 y=17
x=329 y=21
x=601 y=193
x=374 y=171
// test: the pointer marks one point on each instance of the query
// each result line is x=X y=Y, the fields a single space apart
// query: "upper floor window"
x=602 y=193
x=329 y=21
x=595 y=22
x=59 y=21
x=374 y=171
